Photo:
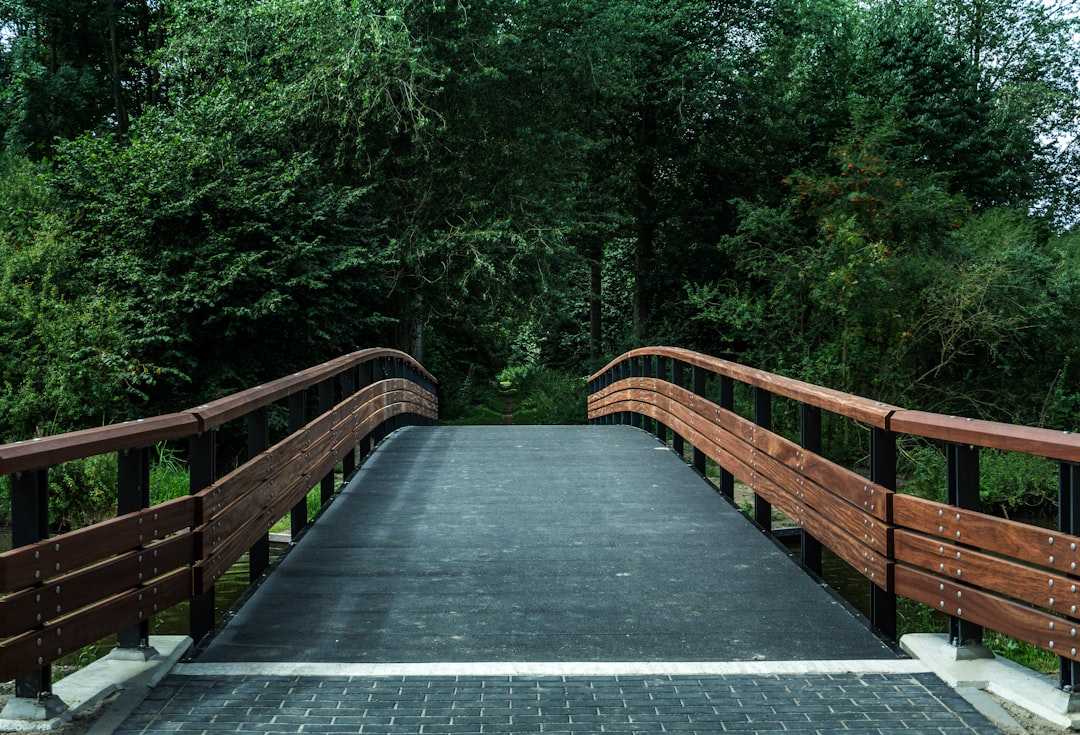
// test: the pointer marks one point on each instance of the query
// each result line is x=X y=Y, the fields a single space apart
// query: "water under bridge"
x=534 y=579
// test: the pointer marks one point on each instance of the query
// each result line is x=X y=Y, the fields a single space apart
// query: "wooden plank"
x=1059 y=445
x=49 y=451
x=36 y=648
x=1039 y=628
x=43 y=560
x=60 y=596
x=1033 y=586
x=999 y=536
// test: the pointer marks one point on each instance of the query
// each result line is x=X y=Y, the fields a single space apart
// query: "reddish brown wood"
x=1037 y=627
x=861 y=409
x=49 y=451
x=1037 y=587
x=994 y=535
x=1060 y=445
x=62 y=595
x=38 y=562
x=43 y=645
x=240 y=404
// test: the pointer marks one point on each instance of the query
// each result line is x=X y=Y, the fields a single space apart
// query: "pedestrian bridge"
x=507 y=558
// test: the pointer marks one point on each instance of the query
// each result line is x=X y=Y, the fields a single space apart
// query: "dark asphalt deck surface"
x=582 y=547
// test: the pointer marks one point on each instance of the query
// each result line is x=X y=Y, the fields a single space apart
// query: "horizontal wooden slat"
x=226 y=537
x=1037 y=587
x=42 y=646
x=859 y=538
x=37 y=605
x=1061 y=445
x=1042 y=629
x=857 y=490
x=40 y=561
x=994 y=535
x=49 y=451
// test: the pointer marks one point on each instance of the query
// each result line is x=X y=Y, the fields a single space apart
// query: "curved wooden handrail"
x=874 y=413
x=34 y=454
x=1058 y=445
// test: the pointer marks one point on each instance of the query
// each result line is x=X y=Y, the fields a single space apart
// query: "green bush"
x=82 y=492
x=1009 y=483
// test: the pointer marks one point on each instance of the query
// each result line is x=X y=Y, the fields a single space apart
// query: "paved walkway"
x=542 y=579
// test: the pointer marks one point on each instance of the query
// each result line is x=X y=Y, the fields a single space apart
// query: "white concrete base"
x=1012 y=682
x=88 y=686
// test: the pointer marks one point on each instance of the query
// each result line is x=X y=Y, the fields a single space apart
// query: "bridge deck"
x=536 y=544
x=543 y=579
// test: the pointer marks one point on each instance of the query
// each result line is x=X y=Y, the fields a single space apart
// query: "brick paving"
x=852 y=703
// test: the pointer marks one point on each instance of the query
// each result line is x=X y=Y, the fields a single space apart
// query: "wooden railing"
x=980 y=570
x=70 y=590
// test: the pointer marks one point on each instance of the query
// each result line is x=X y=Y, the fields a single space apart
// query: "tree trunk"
x=596 y=258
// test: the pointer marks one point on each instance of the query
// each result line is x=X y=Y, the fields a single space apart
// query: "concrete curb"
x=90 y=685
x=1012 y=682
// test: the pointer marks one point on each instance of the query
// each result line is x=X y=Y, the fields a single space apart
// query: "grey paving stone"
x=708 y=706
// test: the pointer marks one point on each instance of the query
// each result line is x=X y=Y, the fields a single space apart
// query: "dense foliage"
x=875 y=196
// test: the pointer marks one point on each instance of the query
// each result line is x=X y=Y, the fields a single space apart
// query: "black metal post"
x=697 y=377
x=326 y=403
x=647 y=371
x=963 y=492
x=258 y=441
x=202 y=461
x=763 y=418
x=727 y=402
x=678 y=379
x=348 y=388
x=133 y=494
x=30 y=524
x=660 y=373
x=297 y=421
x=625 y=371
x=1068 y=522
x=636 y=368
x=365 y=377
x=810 y=438
x=883 y=472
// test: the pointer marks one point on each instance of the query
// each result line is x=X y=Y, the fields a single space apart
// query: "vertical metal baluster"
x=763 y=418
x=660 y=373
x=258 y=440
x=133 y=494
x=963 y=492
x=727 y=402
x=348 y=388
x=326 y=403
x=697 y=377
x=365 y=377
x=810 y=438
x=202 y=450
x=297 y=421
x=30 y=524
x=1068 y=522
x=883 y=472
x=678 y=379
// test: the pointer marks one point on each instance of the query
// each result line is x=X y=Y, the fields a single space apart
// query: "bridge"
x=528 y=579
